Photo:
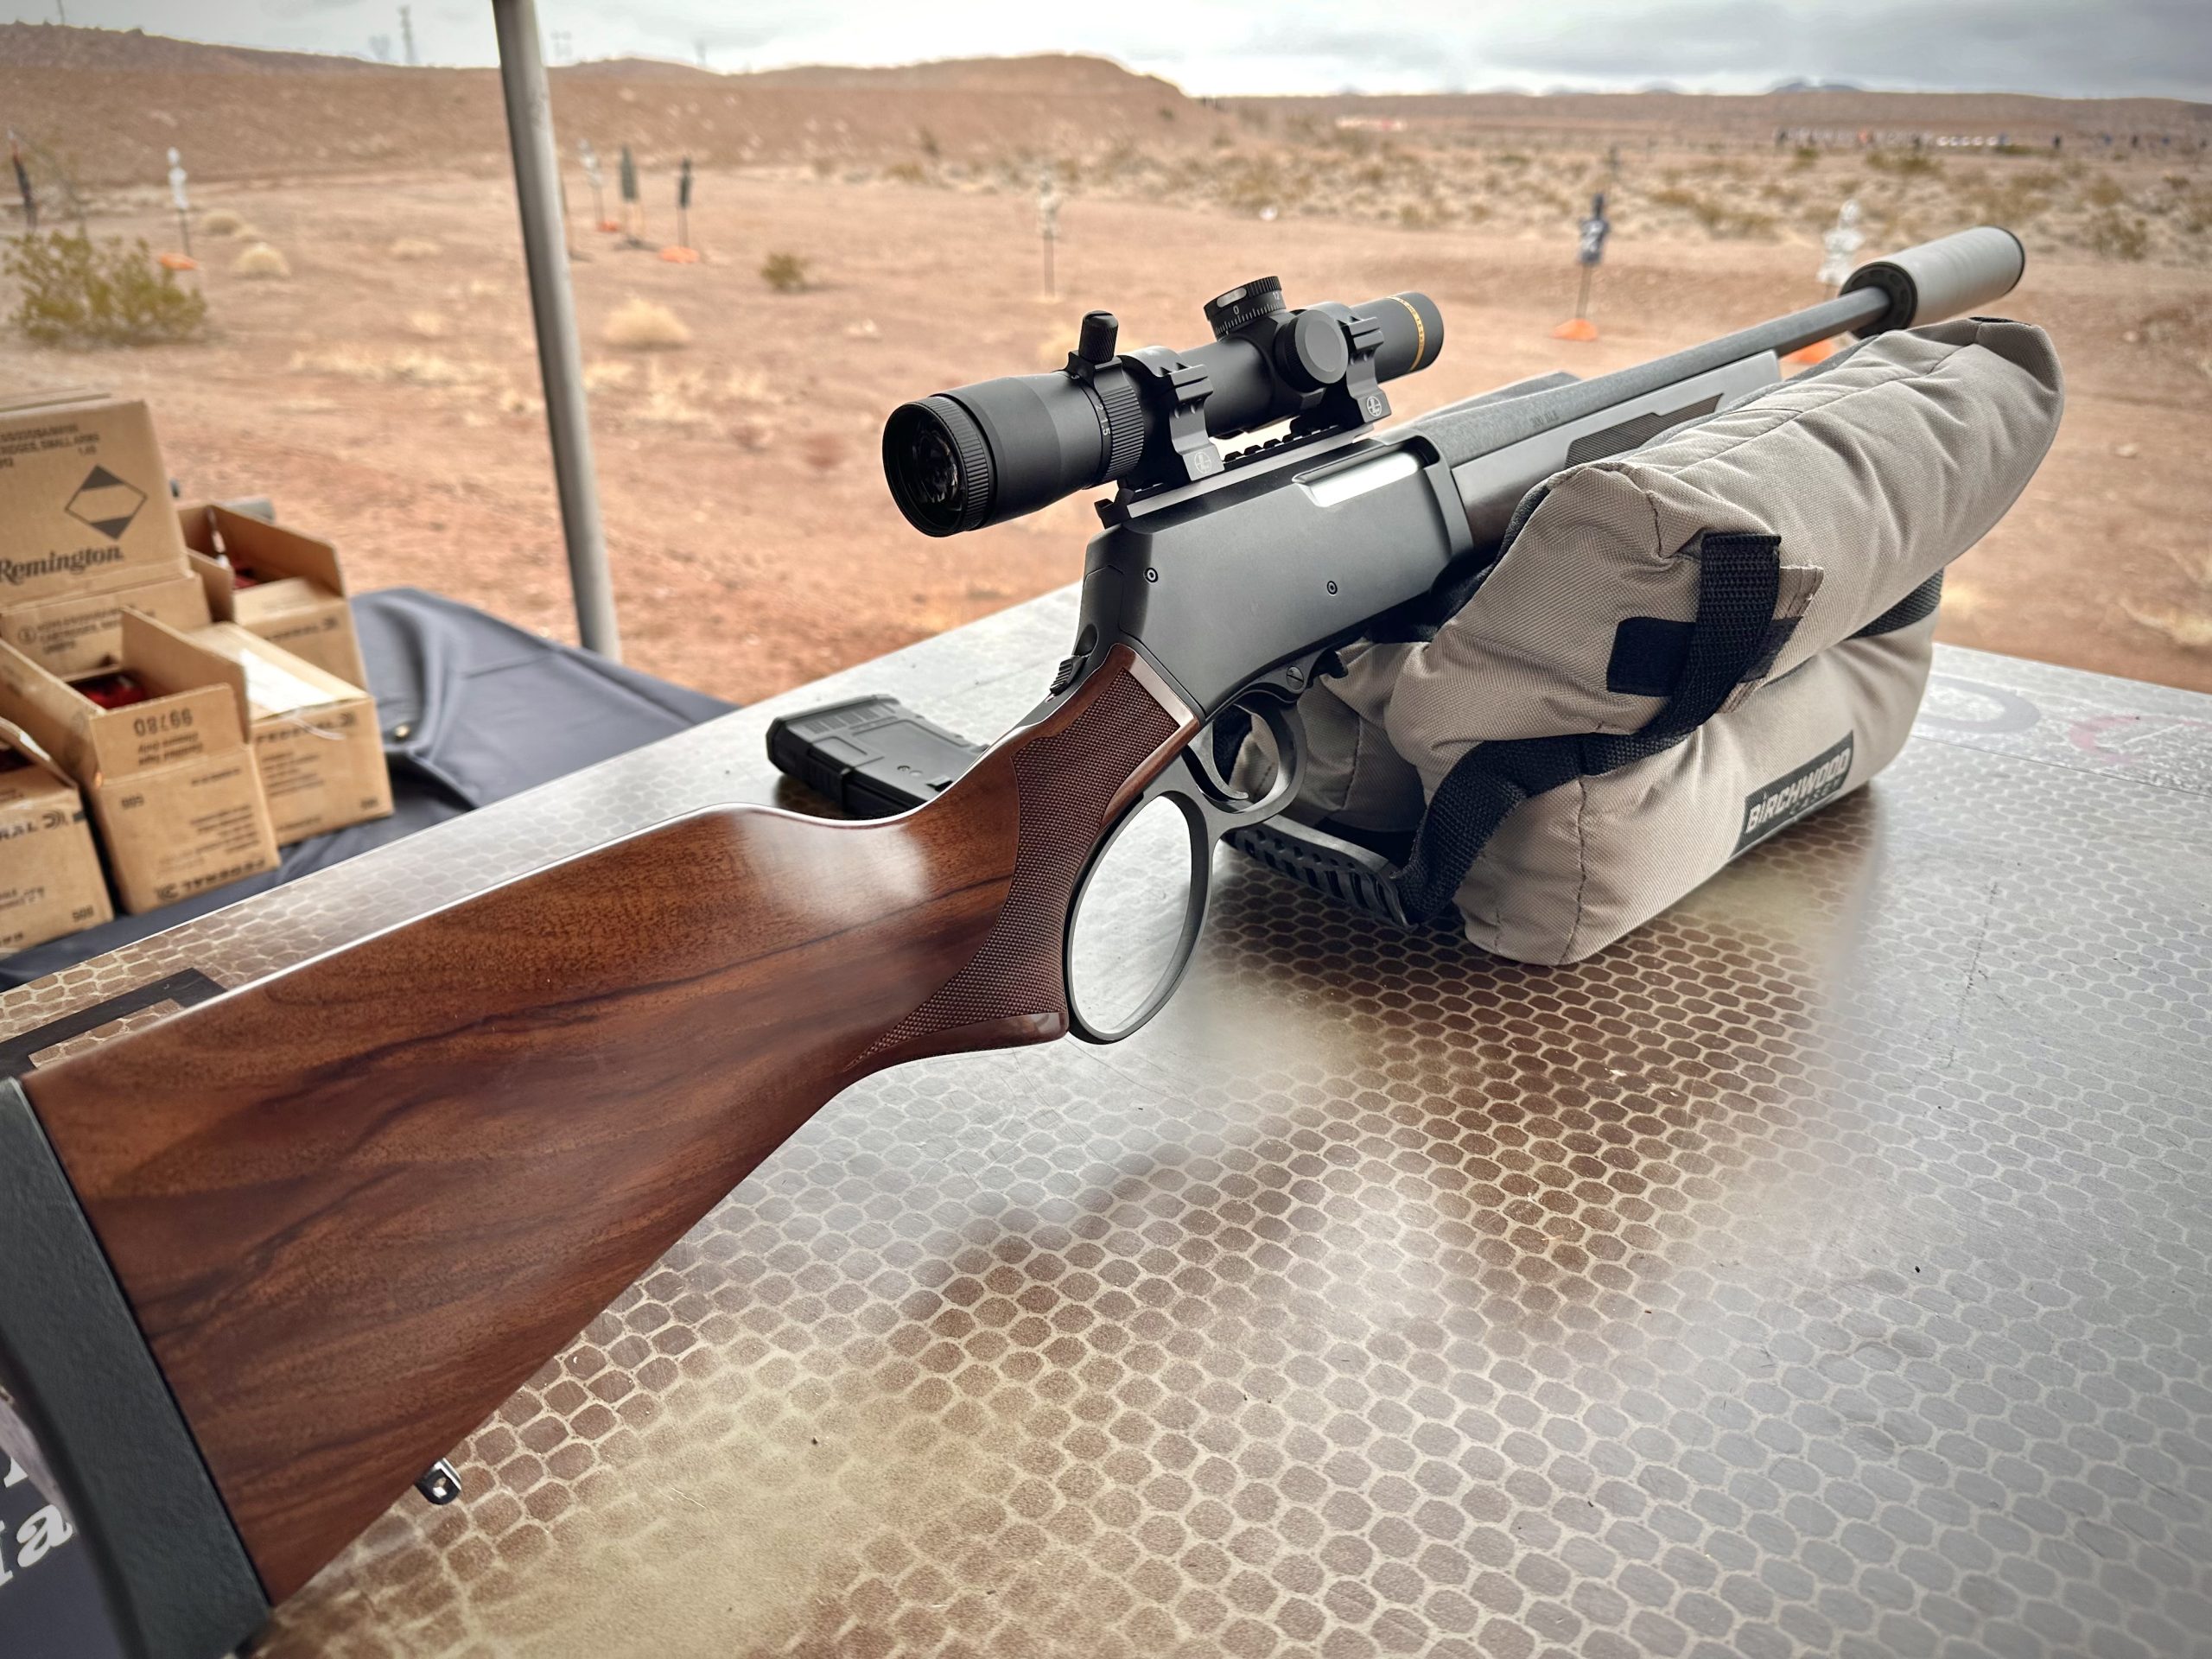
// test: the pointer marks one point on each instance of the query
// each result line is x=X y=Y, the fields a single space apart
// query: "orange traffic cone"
x=675 y=256
x=1819 y=352
x=179 y=261
x=1579 y=326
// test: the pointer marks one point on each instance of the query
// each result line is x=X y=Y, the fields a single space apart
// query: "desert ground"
x=384 y=391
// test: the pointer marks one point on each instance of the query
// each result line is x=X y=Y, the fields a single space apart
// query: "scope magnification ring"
x=1124 y=406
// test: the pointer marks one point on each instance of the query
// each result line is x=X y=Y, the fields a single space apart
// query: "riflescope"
x=1147 y=419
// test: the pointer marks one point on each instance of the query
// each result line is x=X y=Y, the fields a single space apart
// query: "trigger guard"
x=1224 y=812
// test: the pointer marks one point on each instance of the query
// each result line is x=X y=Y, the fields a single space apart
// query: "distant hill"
x=1671 y=116
x=106 y=105
x=109 y=102
x=639 y=69
x=55 y=46
x=1059 y=74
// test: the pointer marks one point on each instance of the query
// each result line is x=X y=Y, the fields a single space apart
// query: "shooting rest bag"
x=1679 y=650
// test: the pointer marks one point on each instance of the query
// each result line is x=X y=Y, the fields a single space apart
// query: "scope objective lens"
x=938 y=467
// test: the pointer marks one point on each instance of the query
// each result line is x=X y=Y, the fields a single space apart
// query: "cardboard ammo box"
x=166 y=770
x=74 y=634
x=276 y=583
x=50 y=880
x=315 y=737
x=84 y=498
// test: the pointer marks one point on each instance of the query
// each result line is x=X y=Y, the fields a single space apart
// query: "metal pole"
x=560 y=364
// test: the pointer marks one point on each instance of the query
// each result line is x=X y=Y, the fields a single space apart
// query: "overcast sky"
x=2073 y=48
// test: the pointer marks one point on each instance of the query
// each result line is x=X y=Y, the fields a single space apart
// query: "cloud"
x=2063 y=46
x=758 y=26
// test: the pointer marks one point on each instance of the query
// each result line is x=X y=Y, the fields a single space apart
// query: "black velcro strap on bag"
x=1736 y=637
x=1915 y=606
x=1486 y=783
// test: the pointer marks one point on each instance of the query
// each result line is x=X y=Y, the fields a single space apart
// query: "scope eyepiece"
x=976 y=455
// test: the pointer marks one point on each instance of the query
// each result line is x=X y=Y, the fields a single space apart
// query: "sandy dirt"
x=385 y=393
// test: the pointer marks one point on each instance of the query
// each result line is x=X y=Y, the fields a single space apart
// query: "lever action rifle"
x=271 y=1256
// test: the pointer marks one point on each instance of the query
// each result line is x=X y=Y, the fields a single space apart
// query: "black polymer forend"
x=1149 y=419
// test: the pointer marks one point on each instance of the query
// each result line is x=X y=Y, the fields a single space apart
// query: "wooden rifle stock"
x=355 y=1205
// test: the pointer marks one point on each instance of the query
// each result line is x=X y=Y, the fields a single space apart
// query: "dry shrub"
x=77 y=292
x=1963 y=602
x=262 y=263
x=824 y=451
x=223 y=222
x=1717 y=218
x=1905 y=163
x=784 y=273
x=2189 y=629
x=414 y=247
x=2015 y=200
x=753 y=386
x=2189 y=624
x=427 y=324
x=607 y=373
x=409 y=368
x=429 y=369
x=674 y=398
x=354 y=362
x=2115 y=236
x=2183 y=327
x=639 y=325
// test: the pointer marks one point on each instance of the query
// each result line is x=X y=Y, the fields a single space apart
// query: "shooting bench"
x=1827 y=1266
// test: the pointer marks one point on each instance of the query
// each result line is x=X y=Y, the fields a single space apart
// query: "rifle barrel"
x=1465 y=432
x=1919 y=285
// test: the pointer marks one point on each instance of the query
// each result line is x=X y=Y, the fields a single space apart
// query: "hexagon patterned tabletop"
x=1826 y=1268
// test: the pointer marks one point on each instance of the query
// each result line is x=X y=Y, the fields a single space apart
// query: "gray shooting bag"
x=1674 y=651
